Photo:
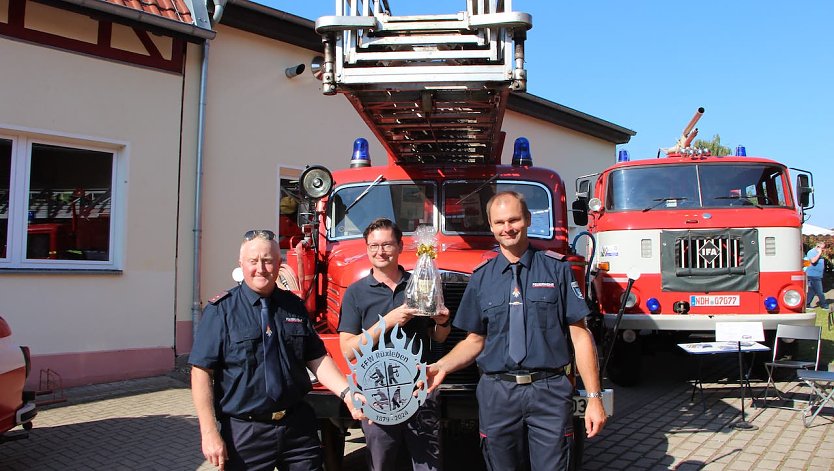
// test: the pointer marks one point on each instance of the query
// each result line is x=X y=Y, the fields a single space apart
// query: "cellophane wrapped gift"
x=424 y=290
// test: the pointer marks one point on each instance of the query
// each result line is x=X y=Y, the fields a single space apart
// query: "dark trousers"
x=419 y=435
x=815 y=288
x=291 y=444
x=526 y=426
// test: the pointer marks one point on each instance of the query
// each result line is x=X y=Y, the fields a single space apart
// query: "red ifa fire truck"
x=704 y=238
x=433 y=89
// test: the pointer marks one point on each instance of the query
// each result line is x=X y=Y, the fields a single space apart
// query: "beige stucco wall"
x=138 y=111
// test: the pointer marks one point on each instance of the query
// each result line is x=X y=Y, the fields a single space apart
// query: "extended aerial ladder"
x=432 y=88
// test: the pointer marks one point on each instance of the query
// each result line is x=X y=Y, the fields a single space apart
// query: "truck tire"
x=578 y=451
x=625 y=368
x=333 y=445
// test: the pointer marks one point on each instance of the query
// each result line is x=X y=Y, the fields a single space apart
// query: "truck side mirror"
x=579 y=208
x=804 y=190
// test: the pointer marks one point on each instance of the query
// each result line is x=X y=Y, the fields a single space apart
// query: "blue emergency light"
x=622 y=155
x=521 y=153
x=741 y=151
x=770 y=303
x=653 y=304
x=361 y=155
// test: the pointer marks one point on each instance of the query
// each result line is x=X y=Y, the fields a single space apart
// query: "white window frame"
x=22 y=141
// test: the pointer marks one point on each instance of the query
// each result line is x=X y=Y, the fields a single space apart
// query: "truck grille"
x=724 y=251
x=454 y=284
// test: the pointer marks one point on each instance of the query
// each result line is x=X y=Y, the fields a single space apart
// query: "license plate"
x=580 y=402
x=714 y=300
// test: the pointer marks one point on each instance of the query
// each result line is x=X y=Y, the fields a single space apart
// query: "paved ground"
x=149 y=424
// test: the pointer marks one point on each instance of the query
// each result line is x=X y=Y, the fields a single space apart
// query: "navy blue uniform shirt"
x=367 y=299
x=229 y=343
x=552 y=301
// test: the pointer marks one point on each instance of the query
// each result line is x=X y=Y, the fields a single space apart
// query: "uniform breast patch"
x=294 y=320
x=543 y=284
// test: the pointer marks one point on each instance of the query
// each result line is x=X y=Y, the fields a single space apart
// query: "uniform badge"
x=575 y=287
x=387 y=376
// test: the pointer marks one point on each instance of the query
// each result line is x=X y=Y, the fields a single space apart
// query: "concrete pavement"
x=149 y=424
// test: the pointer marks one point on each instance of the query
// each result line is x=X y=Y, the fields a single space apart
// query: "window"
x=352 y=209
x=464 y=206
x=56 y=203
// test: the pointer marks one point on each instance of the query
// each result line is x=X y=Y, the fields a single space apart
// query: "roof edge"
x=149 y=18
x=546 y=110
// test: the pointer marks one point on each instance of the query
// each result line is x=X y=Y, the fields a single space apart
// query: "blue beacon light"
x=622 y=155
x=361 y=155
x=521 y=153
x=770 y=303
x=653 y=304
x=741 y=151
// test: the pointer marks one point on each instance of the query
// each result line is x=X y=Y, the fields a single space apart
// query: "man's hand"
x=214 y=449
x=442 y=316
x=399 y=316
x=357 y=414
x=435 y=374
x=594 y=417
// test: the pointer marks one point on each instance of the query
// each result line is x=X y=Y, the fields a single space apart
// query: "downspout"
x=196 y=302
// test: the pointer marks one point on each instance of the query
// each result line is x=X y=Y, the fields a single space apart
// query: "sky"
x=763 y=71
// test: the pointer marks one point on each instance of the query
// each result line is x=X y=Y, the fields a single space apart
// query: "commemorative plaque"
x=387 y=376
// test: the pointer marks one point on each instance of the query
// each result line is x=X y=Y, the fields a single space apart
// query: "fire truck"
x=692 y=239
x=433 y=90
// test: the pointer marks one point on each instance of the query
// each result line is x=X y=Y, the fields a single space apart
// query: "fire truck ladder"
x=432 y=88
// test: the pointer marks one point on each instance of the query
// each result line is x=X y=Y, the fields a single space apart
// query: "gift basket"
x=424 y=290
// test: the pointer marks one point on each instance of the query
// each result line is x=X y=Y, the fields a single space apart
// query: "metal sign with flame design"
x=387 y=376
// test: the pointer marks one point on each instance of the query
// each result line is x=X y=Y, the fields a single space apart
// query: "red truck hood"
x=349 y=261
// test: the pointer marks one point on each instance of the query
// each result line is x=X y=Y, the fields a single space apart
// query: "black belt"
x=268 y=417
x=527 y=376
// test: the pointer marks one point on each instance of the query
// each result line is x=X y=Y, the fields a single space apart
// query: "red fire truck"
x=433 y=89
x=17 y=406
x=706 y=238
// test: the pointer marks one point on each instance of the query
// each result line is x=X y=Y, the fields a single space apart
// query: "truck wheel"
x=625 y=367
x=578 y=444
x=333 y=445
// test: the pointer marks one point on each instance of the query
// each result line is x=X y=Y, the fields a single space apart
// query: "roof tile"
x=175 y=10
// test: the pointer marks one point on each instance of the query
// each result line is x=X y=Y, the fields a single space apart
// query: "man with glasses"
x=382 y=293
x=250 y=358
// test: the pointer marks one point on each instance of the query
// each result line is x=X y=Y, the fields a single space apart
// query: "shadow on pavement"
x=153 y=442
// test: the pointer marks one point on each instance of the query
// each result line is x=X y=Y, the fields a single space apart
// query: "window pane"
x=69 y=204
x=465 y=206
x=5 y=178
x=409 y=205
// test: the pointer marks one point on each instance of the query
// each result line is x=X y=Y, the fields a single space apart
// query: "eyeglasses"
x=258 y=234
x=386 y=247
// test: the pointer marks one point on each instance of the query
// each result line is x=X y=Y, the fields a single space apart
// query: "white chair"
x=805 y=334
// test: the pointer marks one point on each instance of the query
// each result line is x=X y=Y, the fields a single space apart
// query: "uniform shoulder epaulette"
x=216 y=299
x=555 y=255
x=480 y=265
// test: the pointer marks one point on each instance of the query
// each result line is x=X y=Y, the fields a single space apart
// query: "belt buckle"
x=524 y=379
x=276 y=416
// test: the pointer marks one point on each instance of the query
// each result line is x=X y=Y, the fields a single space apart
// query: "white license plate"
x=580 y=402
x=714 y=300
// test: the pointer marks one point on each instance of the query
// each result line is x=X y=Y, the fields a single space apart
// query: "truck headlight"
x=792 y=298
x=631 y=301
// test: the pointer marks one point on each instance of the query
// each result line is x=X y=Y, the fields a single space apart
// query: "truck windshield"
x=464 y=206
x=665 y=187
x=407 y=204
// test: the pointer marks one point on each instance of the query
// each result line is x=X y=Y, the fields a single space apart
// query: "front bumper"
x=705 y=322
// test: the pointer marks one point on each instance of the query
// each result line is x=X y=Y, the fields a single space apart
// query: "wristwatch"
x=593 y=395
x=344 y=393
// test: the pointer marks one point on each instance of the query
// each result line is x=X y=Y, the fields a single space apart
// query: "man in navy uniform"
x=250 y=359
x=522 y=309
x=382 y=293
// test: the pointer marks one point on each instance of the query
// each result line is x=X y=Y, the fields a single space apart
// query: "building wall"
x=90 y=326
